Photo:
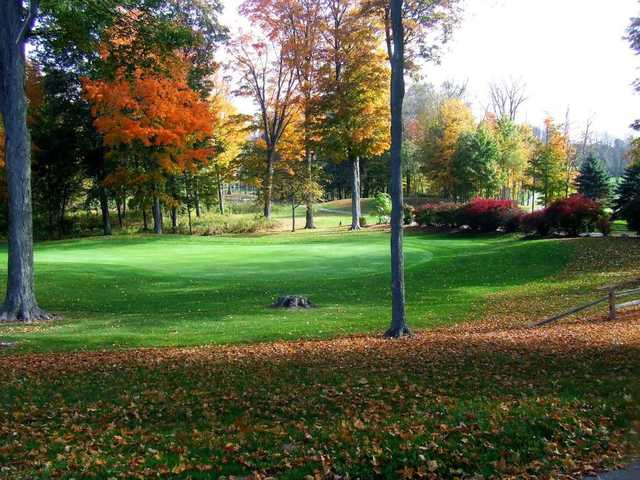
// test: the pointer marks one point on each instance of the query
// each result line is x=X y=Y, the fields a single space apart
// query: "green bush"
x=363 y=221
x=407 y=214
x=217 y=224
x=382 y=206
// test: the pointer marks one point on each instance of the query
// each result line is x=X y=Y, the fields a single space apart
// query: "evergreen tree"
x=593 y=180
x=627 y=202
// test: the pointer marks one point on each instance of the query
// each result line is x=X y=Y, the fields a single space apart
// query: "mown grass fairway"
x=150 y=291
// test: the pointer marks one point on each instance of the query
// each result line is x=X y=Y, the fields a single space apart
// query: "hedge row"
x=573 y=215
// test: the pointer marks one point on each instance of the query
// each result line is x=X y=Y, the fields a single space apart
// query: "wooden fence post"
x=612 y=304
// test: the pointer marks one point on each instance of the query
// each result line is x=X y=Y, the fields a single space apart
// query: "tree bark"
x=145 y=223
x=157 y=216
x=119 y=210
x=309 y=221
x=189 y=217
x=20 y=301
x=293 y=217
x=104 y=208
x=220 y=192
x=268 y=183
x=196 y=196
x=398 y=327
x=356 y=212
x=174 y=219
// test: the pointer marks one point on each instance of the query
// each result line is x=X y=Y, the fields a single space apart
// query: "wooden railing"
x=614 y=293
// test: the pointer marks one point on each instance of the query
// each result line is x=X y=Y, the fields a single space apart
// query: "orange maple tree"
x=159 y=115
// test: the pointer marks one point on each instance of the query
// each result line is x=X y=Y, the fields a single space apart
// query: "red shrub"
x=574 y=214
x=488 y=215
x=536 y=222
x=443 y=214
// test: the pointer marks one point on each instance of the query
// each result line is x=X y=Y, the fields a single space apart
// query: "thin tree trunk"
x=119 y=210
x=174 y=219
x=188 y=201
x=157 y=215
x=145 y=223
x=189 y=217
x=20 y=301
x=220 y=191
x=63 y=210
x=268 y=183
x=356 y=212
x=104 y=208
x=196 y=196
x=293 y=217
x=398 y=327
x=309 y=221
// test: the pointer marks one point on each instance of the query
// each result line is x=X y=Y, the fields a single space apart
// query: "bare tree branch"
x=507 y=97
x=27 y=24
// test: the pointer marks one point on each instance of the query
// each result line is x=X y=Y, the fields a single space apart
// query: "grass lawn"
x=172 y=291
x=474 y=395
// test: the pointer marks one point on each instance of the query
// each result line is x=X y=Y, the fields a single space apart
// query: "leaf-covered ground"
x=485 y=399
x=446 y=404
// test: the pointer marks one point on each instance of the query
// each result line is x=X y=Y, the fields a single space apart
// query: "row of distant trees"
x=451 y=154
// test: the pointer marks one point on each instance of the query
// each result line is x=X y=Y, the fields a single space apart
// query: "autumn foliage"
x=487 y=215
x=158 y=114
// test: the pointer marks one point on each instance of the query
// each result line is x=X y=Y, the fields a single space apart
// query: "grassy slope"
x=150 y=291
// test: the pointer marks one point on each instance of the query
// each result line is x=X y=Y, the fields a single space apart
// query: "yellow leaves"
x=456 y=119
x=441 y=142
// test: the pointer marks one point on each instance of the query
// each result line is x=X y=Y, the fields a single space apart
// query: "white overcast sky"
x=570 y=53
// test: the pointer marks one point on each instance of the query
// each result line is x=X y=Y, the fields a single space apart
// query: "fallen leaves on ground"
x=450 y=403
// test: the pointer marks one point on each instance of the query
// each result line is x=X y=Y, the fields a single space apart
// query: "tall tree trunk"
x=119 y=210
x=157 y=215
x=20 y=301
x=398 y=327
x=220 y=191
x=309 y=221
x=196 y=196
x=268 y=183
x=408 y=183
x=356 y=212
x=104 y=207
x=293 y=217
x=63 y=211
x=174 y=219
x=189 y=217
